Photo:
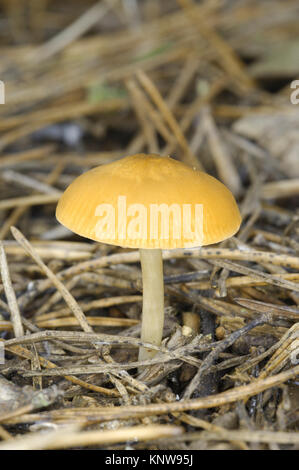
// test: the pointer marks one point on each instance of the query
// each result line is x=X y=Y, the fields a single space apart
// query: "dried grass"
x=100 y=83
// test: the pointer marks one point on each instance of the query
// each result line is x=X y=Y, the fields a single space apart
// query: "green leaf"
x=154 y=52
x=103 y=92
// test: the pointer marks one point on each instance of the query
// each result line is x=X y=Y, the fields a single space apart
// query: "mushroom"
x=151 y=203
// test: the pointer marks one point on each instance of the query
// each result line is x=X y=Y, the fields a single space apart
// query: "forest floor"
x=208 y=83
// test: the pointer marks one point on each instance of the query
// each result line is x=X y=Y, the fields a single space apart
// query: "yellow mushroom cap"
x=149 y=201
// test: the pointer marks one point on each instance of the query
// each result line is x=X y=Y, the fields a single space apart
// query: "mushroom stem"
x=153 y=300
